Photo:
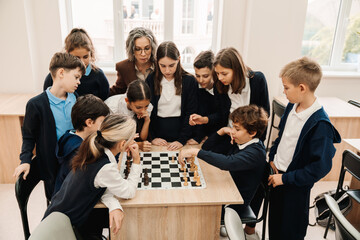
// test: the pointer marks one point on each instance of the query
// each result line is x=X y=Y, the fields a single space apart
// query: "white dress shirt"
x=290 y=137
x=169 y=104
x=109 y=177
x=118 y=105
x=239 y=100
x=244 y=145
x=211 y=91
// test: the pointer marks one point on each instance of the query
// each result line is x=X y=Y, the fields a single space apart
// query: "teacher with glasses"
x=141 y=47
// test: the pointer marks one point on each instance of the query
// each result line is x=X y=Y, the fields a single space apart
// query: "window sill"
x=341 y=74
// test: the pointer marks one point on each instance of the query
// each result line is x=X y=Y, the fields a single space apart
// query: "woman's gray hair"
x=138 y=33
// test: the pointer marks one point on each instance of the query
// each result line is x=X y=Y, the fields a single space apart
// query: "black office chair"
x=247 y=214
x=344 y=229
x=355 y=103
x=351 y=164
x=277 y=109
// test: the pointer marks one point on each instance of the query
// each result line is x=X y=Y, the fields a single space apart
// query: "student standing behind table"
x=238 y=150
x=136 y=104
x=94 y=81
x=94 y=170
x=237 y=84
x=141 y=47
x=302 y=154
x=47 y=117
x=174 y=98
x=207 y=118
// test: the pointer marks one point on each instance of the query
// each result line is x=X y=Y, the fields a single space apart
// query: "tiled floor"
x=11 y=226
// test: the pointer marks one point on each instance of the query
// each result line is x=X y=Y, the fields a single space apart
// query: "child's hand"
x=187 y=153
x=116 y=218
x=196 y=119
x=159 y=142
x=144 y=115
x=174 y=146
x=228 y=131
x=272 y=165
x=146 y=146
x=192 y=142
x=275 y=180
x=22 y=168
x=134 y=149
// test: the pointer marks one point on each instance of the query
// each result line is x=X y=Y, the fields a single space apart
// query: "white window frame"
x=339 y=41
x=120 y=52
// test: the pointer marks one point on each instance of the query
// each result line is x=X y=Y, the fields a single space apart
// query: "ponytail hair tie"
x=99 y=133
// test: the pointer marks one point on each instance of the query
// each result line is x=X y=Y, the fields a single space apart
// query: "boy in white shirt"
x=302 y=154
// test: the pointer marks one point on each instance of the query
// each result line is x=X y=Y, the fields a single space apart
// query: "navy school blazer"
x=314 y=150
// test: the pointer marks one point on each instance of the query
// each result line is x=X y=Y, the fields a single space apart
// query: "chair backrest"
x=355 y=103
x=233 y=225
x=278 y=108
x=344 y=229
x=351 y=162
x=23 y=189
x=56 y=226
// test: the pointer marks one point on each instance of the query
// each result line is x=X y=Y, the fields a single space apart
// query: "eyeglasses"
x=140 y=50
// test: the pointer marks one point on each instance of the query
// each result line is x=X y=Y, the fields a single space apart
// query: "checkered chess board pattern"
x=163 y=174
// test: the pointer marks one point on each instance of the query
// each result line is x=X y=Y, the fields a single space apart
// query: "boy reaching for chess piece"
x=237 y=150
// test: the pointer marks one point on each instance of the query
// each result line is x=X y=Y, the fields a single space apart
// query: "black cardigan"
x=189 y=104
x=259 y=96
x=39 y=130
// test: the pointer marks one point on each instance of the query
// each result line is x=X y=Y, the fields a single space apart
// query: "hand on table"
x=174 y=146
x=192 y=142
x=159 y=142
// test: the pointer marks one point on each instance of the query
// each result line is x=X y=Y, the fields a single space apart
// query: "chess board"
x=163 y=173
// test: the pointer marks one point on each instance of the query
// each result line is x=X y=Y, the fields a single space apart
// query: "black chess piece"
x=146 y=177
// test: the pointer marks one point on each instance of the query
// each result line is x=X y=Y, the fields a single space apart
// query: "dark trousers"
x=288 y=212
x=33 y=179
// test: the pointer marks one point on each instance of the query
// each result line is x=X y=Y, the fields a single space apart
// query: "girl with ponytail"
x=94 y=170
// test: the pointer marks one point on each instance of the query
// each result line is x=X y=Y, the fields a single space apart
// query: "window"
x=332 y=33
x=189 y=23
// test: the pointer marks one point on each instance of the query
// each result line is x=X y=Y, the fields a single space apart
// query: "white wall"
x=30 y=35
x=267 y=33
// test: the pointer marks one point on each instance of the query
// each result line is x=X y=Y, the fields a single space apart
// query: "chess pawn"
x=198 y=183
x=196 y=173
x=172 y=159
x=186 y=182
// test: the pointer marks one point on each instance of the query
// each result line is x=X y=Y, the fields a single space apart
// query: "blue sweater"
x=66 y=149
x=246 y=166
x=78 y=195
x=314 y=151
x=95 y=83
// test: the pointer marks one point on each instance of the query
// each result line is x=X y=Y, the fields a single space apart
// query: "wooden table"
x=12 y=111
x=179 y=214
x=346 y=119
x=354 y=214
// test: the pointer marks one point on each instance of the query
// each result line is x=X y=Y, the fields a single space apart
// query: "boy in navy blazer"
x=47 y=117
x=302 y=154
